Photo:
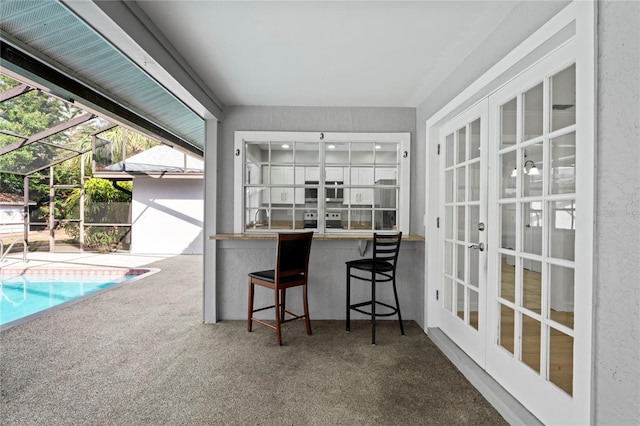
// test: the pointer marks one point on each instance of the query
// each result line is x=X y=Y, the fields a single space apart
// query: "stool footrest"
x=356 y=307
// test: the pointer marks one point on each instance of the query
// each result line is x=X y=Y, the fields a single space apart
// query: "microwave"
x=311 y=194
x=334 y=192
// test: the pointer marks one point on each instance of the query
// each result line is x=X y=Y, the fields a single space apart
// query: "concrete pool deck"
x=86 y=260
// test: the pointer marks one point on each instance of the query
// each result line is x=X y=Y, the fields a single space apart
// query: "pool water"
x=26 y=294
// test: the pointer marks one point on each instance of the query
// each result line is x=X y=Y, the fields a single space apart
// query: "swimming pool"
x=28 y=294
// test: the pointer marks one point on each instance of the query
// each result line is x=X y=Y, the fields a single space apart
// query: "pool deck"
x=41 y=260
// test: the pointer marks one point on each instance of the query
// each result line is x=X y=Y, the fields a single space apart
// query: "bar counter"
x=320 y=237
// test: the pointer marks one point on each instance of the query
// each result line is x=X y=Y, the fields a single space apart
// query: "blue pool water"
x=25 y=295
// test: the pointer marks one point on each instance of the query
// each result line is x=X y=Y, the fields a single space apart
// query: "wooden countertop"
x=321 y=237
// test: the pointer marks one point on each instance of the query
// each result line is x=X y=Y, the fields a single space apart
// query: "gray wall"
x=327 y=271
x=617 y=239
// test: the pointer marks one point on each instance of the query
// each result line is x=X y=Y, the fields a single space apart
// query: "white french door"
x=463 y=230
x=514 y=204
x=533 y=209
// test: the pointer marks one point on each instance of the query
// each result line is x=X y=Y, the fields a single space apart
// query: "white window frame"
x=403 y=139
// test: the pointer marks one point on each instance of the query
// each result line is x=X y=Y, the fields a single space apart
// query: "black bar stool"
x=379 y=269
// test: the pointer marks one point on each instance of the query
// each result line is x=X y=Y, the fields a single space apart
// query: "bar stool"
x=292 y=270
x=379 y=269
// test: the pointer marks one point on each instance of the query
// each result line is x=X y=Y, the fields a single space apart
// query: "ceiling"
x=329 y=53
x=175 y=63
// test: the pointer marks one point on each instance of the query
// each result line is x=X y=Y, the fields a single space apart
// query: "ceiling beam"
x=16 y=60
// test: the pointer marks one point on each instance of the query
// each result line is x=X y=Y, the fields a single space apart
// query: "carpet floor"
x=140 y=355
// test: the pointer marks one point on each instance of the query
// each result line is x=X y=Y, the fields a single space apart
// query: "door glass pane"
x=505 y=337
x=449 y=150
x=509 y=173
x=561 y=360
x=532 y=112
x=461 y=183
x=563 y=98
x=474 y=263
x=460 y=300
x=474 y=140
x=460 y=251
x=461 y=223
x=532 y=285
x=531 y=342
x=448 y=186
x=448 y=258
x=562 y=233
x=508 y=226
x=462 y=145
x=533 y=171
x=561 y=294
x=473 y=308
x=508 y=278
x=508 y=123
x=474 y=181
x=474 y=221
x=532 y=231
x=563 y=164
x=448 y=222
x=448 y=294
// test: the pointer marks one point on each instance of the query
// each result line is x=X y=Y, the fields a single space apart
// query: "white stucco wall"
x=617 y=239
x=167 y=216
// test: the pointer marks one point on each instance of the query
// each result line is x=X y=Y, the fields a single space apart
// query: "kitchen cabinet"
x=284 y=175
x=361 y=176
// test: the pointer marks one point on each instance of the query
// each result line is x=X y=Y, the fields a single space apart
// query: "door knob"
x=479 y=246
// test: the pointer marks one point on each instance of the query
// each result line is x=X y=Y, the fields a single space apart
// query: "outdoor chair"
x=292 y=270
x=381 y=268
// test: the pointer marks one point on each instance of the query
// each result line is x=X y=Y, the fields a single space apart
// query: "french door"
x=515 y=182
x=463 y=230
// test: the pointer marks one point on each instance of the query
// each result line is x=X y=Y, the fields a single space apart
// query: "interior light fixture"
x=331 y=147
x=378 y=146
x=530 y=168
x=285 y=146
x=514 y=173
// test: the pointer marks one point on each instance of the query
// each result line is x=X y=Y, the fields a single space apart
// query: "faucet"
x=262 y=220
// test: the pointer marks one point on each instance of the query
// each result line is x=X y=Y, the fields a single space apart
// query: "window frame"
x=403 y=139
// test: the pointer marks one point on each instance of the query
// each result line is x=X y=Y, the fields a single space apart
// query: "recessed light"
x=285 y=146
x=331 y=147
x=378 y=146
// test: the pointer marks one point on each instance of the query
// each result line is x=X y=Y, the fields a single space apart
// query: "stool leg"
x=348 y=298
x=283 y=300
x=395 y=293
x=250 y=304
x=373 y=308
x=277 y=306
x=307 y=321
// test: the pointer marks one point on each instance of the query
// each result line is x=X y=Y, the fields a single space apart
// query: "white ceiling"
x=330 y=53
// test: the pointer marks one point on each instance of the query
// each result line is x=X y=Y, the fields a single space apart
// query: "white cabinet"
x=361 y=176
x=334 y=174
x=386 y=174
x=284 y=175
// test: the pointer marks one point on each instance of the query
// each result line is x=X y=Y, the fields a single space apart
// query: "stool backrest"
x=386 y=247
x=293 y=254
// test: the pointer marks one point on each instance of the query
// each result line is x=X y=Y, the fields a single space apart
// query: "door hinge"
x=438 y=149
x=437 y=294
x=438 y=222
